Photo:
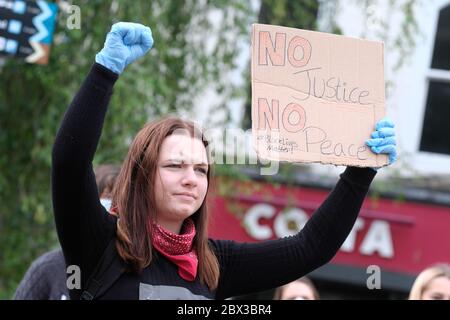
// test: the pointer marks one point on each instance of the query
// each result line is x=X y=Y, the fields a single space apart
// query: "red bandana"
x=178 y=248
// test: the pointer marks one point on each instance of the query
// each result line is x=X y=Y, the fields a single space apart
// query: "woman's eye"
x=174 y=165
x=202 y=170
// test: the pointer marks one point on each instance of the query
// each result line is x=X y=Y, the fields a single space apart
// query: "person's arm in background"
x=45 y=279
x=254 y=267
x=83 y=225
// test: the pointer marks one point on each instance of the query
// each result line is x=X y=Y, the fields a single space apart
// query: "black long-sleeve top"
x=85 y=228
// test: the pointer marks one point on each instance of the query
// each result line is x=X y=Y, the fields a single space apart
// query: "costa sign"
x=399 y=236
x=376 y=240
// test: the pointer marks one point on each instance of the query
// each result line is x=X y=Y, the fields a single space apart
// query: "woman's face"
x=297 y=291
x=181 y=179
x=437 y=289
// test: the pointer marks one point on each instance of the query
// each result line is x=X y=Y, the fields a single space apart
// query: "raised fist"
x=125 y=43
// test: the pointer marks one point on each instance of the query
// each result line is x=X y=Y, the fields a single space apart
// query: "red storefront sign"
x=398 y=236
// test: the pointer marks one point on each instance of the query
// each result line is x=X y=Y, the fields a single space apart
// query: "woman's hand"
x=383 y=140
x=125 y=43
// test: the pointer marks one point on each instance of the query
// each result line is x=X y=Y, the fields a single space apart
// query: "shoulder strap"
x=107 y=271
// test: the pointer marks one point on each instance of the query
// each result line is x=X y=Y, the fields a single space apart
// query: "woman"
x=432 y=283
x=160 y=226
x=300 y=289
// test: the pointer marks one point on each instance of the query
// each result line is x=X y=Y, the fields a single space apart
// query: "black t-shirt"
x=85 y=228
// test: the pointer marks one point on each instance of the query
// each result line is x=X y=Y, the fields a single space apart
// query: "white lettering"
x=374 y=280
x=290 y=222
x=251 y=221
x=204 y=311
x=74 y=280
x=74 y=20
x=350 y=242
x=378 y=239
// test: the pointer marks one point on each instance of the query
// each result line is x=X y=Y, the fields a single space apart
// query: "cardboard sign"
x=316 y=97
x=26 y=29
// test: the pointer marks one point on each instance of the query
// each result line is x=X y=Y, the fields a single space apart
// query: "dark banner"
x=26 y=29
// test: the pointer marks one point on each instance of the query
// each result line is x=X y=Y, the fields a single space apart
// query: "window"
x=436 y=124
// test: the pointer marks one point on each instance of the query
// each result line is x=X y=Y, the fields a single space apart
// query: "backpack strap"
x=108 y=270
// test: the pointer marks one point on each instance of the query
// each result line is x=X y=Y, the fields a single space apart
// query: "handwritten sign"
x=316 y=97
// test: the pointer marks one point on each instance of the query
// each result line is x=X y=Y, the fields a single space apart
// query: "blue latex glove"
x=125 y=43
x=383 y=140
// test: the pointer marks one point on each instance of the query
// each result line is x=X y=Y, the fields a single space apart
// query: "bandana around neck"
x=178 y=248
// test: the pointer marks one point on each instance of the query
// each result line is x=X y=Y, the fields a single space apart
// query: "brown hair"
x=105 y=177
x=135 y=204
x=425 y=277
x=279 y=291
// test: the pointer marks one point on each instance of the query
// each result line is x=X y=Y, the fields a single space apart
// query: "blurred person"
x=105 y=178
x=433 y=283
x=159 y=235
x=300 y=289
x=46 y=277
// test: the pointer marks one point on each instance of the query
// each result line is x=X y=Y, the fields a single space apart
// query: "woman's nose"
x=189 y=176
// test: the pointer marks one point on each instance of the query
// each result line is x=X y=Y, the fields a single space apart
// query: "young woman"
x=300 y=289
x=433 y=283
x=160 y=225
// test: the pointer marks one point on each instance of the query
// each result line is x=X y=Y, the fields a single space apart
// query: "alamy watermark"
x=233 y=146
x=73 y=21
x=73 y=277
x=374 y=279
